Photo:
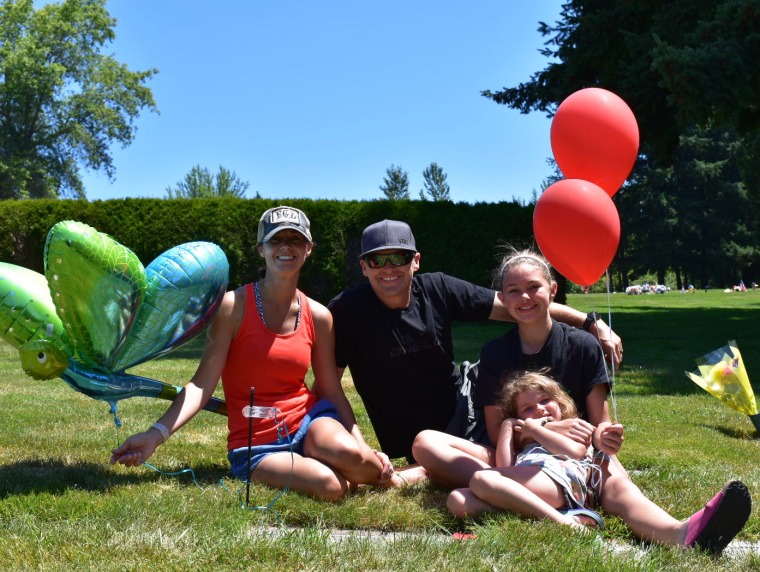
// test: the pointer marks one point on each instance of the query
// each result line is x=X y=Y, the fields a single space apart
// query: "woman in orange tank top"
x=266 y=336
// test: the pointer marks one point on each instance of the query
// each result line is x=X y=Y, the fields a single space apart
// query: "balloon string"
x=610 y=378
x=282 y=426
x=113 y=405
x=176 y=473
x=148 y=465
x=613 y=398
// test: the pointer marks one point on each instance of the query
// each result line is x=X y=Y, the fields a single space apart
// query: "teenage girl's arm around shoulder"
x=326 y=380
x=555 y=443
x=611 y=343
x=608 y=436
x=139 y=447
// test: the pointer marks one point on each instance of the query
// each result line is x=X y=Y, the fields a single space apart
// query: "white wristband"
x=161 y=429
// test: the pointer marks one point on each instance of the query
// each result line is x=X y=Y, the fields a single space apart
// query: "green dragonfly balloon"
x=98 y=312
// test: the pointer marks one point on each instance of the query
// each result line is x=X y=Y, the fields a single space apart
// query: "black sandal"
x=721 y=519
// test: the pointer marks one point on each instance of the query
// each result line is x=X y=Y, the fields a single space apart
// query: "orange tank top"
x=275 y=365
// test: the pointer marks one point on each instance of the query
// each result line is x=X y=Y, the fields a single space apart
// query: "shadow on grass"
x=663 y=343
x=428 y=495
x=742 y=435
x=57 y=476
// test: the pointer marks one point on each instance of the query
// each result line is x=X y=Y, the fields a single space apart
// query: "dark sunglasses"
x=396 y=259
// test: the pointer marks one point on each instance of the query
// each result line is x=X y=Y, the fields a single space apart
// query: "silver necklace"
x=260 y=306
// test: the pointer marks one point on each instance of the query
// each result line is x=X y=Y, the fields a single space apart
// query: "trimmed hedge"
x=460 y=239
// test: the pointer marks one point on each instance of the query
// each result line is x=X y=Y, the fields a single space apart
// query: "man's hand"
x=611 y=343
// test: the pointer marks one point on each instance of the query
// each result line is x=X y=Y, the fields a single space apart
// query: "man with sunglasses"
x=394 y=333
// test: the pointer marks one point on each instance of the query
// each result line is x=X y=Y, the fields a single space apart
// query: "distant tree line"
x=148 y=227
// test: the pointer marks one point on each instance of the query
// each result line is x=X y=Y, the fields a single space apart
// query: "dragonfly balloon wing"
x=26 y=309
x=96 y=285
x=185 y=286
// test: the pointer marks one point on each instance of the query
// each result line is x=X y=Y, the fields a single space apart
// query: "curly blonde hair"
x=518 y=382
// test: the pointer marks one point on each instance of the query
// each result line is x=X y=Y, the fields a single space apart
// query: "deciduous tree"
x=62 y=101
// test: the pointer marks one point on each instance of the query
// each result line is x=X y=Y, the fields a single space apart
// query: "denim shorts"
x=239 y=457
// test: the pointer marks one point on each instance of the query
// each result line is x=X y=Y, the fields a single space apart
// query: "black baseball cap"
x=386 y=235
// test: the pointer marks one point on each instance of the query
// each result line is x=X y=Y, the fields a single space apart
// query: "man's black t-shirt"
x=402 y=361
x=573 y=356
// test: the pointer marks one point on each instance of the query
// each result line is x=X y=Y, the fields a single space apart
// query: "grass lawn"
x=63 y=507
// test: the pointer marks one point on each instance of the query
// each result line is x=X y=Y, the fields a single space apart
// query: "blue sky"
x=317 y=99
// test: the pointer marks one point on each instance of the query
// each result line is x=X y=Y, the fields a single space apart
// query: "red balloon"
x=594 y=137
x=577 y=228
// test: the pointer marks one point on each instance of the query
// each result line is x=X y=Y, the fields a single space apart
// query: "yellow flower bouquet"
x=721 y=373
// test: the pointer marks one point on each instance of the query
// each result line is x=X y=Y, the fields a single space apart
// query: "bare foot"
x=394 y=482
x=582 y=518
x=583 y=524
x=412 y=474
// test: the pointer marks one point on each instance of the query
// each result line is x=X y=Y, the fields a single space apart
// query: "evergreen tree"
x=200 y=183
x=435 y=185
x=395 y=184
x=693 y=217
x=676 y=64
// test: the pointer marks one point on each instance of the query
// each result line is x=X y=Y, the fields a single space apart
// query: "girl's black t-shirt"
x=573 y=356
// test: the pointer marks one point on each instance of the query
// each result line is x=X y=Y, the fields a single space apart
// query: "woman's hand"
x=387 y=472
x=136 y=449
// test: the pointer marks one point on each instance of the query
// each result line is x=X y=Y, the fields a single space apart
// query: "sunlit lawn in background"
x=62 y=506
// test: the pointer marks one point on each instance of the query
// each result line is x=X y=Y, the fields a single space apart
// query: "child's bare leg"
x=463 y=503
x=711 y=528
x=448 y=459
x=525 y=490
